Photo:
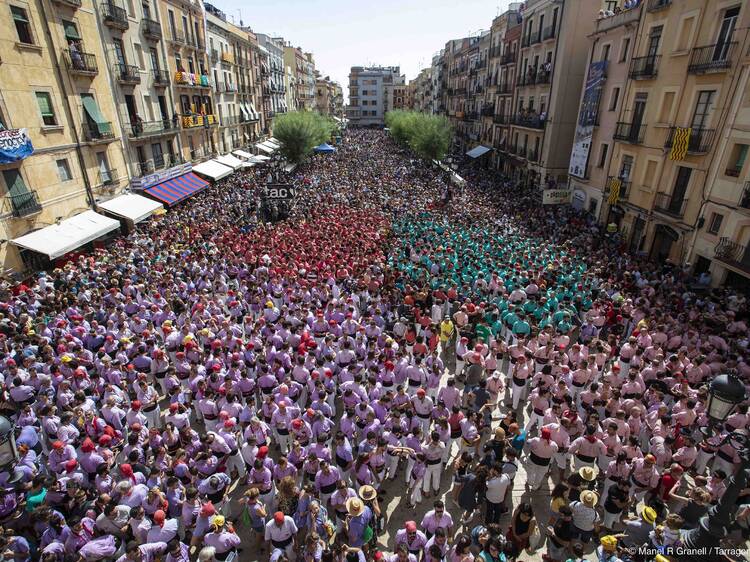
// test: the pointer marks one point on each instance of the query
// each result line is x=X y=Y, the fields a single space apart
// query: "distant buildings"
x=371 y=94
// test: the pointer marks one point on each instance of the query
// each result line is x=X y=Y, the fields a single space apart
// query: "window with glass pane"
x=63 y=170
x=715 y=224
x=23 y=26
x=44 y=100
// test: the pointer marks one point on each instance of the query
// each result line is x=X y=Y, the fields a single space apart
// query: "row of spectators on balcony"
x=627 y=5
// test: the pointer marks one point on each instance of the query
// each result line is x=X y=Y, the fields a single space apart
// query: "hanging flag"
x=680 y=143
x=614 y=190
x=15 y=145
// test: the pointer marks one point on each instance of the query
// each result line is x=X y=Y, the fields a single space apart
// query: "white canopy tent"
x=212 y=170
x=243 y=154
x=274 y=142
x=131 y=206
x=260 y=159
x=266 y=147
x=58 y=239
x=229 y=160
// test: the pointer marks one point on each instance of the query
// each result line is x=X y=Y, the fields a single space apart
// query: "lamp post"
x=724 y=393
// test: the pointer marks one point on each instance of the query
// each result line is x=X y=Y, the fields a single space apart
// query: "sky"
x=346 y=33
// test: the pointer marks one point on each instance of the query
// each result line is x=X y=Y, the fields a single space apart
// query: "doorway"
x=664 y=238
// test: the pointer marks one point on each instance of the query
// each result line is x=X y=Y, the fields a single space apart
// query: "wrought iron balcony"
x=656 y=5
x=532 y=155
x=161 y=78
x=630 y=132
x=711 y=58
x=543 y=77
x=642 y=68
x=98 y=132
x=549 y=32
x=668 y=204
x=501 y=119
x=536 y=37
x=108 y=177
x=151 y=128
x=530 y=121
x=700 y=140
x=505 y=88
x=191 y=121
x=733 y=254
x=151 y=29
x=177 y=37
x=114 y=16
x=488 y=110
x=508 y=58
x=744 y=202
x=526 y=41
x=127 y=74
x=25 y=204
x=81 y=64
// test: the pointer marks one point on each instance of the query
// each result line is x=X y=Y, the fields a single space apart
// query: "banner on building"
x=15 y=145
x=556 y=196
x=587 y=116
x=680 y=143
x=614 y=190
x=160 y=176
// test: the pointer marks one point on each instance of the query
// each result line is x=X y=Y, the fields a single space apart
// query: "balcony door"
x=154 y=60
x=680 y=189
x=639 y=111
x=726 y=31
x=702 y=109
x=119 y=52
x=104 y=172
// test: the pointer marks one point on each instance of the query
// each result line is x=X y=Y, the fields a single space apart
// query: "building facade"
x=371 y=92
x=274 y=84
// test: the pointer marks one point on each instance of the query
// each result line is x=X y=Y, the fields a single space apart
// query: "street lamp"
x=724 y=393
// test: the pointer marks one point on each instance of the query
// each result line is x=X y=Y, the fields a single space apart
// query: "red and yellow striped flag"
x=614 y=190
x=680 y=143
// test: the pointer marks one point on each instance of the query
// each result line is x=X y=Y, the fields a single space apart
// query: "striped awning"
x=177 y=189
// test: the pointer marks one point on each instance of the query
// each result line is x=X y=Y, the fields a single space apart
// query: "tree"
x=299 y=132
x=429 y=136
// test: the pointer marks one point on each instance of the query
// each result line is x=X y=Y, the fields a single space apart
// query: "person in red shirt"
x=669 y=481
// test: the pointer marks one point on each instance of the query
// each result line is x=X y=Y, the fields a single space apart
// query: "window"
x=605 y=51
x=44 y=100
x=139 y=56
x=603 y=155
x=649 y=174
x=666 y=107
x=23 y=26
x=613 y=99
x=737 y=160
x=71 y=32
x=63 y=170
x=714 y=225
x=624 y=48
x=686 y=31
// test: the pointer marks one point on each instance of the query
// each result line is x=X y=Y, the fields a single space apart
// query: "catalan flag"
x=614 y=190
x=680 y=143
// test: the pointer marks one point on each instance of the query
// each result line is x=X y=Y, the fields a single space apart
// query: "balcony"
x=529 y=120
x=700 y=140
x=188 y=79
x=114 y=16
x=230 y=88
x=108 y=177
x=643 y=68
x=194 y=42
x=488 y=111
x=193 y=121
x=623 y=18
x=227 y=57
x=127 y=74
x=219 y=87
x=744 y=202
x=97 y=132
x=532 y=155
x=543 y=76
x=525 y=41
x=505 y=88
x=161 y=78
x=214 y=55
x=230 y=121
x=470 y=116
x=501 y=119
x=549 y=32
x=162 y=161
x=733 y=254
x=508 y=58
x=630 y=132
x=711 y=58
x=667 y=204
x=151 y=29
x=146 y=129
x=624 y=188
x=176 y=37
x=656 y=5
x=25 y=204
x=80 y=64
x=536 y=37
x=75 y=4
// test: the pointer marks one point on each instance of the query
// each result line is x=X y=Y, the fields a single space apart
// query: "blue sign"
x=15 y=145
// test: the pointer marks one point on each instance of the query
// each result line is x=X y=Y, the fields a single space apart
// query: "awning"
x=89 y=104
x=71 y=32
x=177 y=189
x=260 y=159
x=229 y=160
x=131 y=206
x=243 y=154
x=275 y=141
x=213 y=170
x=267 y=148
x=245 y=114
x=58 y=239
x=477 y=151
x=255 y=114
x=289 y=168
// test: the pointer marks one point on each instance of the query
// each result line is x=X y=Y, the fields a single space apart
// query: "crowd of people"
x=386 y=374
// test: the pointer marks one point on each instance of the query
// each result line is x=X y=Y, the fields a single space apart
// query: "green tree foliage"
x=301 y=131
x=429 y=136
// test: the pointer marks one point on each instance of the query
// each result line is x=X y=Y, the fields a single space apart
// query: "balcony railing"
x=151 y=128
x=501 y=119
x=488 y=110
x=230 y=120
x=214 y=55
x=163 y=161
x=219 y=87
x=526 y=41
x=25 y=204
x=549 y=32
x=531 y=121
x=471 y=116
x=532 y=155
x=624 y=191
x=127 y=74
x=98 y=132
x=656 y=5
x=700 y=139
x=108 y=177
x=176 y=36
x=161 y=77
x=83 y=64
x=505 y=88
x=543 y=77
x=69 y=3
x=668 y=204
x=151 y=29
x=508 y=58
x=192 y=121
x=195 y=80
x=732 y=253
x=630 y=132
x=711 y=58
x=644 y=67
x=114 y=16
x=623 y=18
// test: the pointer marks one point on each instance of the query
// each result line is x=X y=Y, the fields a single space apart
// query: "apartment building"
x=371 y=94
x=422 y=85
x=682 y=82
x=327 y=94
x=338 y=100
x=552 y=63
x=309 y=82
x=505 y=37
x=60 y=150
x=290 y=84
x=274 y=98
x=438 y=82
x=295 y=59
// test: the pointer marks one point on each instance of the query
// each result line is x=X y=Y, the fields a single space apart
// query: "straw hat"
x=367 y=492
x=589 y=498
x=355 y=506
x=648 y=514
x=588 y=473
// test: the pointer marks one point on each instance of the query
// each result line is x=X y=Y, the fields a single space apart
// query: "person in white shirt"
x=281 y=531
x=497 y=486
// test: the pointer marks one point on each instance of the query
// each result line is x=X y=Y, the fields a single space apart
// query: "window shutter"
x=45 y=104
x=19 y=14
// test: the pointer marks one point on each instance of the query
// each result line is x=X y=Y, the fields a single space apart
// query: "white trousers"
x=432 y=477
x=535 y=474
